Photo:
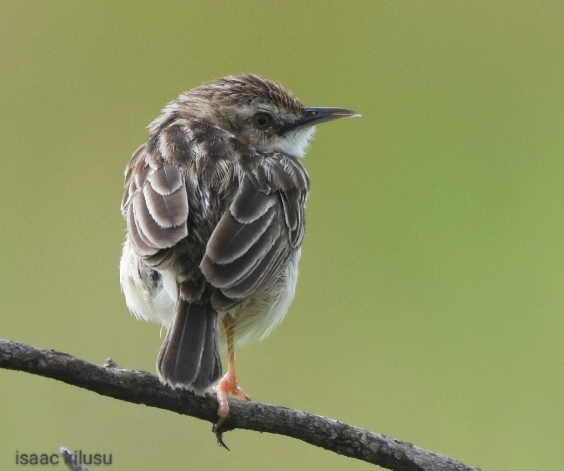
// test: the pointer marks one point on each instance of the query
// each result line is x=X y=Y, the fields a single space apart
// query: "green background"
x=430 y=299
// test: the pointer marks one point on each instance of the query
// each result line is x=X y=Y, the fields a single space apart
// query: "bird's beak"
x=319 y=115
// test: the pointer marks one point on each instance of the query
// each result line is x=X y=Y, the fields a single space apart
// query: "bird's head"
x=261 y=113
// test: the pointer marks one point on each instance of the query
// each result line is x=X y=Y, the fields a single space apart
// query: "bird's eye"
x=262 y=120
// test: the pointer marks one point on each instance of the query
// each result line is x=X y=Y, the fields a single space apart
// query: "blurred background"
x=431 y=292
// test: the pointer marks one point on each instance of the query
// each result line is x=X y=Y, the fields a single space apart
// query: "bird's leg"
x=228 y=384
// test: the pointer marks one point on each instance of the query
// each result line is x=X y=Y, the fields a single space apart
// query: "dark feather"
x=161 y=260
x=141 y=245
x=233 y=239
x=264 y=224
x=293 y=202
x=166 y=180
x=135 y=164
x=210 y=364
x=222 y=303
x=250 y=204
x=151 y=231
x=142 y=174
x=229 y=274
x=167 y=210
x=269 y=265
x=189 y=357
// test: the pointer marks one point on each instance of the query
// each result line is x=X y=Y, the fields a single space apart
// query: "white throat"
x=294 y=143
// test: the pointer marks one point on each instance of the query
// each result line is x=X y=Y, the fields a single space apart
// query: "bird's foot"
x=227 y=385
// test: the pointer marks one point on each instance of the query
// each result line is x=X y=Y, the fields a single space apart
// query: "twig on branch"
x=143 y=388
x=69 y=459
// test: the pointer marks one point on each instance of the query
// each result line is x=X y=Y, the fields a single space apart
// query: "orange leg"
x=228 y=384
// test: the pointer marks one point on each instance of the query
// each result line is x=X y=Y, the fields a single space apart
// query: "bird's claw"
x=219 y=436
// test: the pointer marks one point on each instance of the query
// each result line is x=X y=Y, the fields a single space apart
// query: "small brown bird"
x=214 y=204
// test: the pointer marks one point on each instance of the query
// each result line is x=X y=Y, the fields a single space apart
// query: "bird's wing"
x=259 y=231
x=155 y=205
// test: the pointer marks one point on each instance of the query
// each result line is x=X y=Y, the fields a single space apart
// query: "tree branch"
x=143 y=388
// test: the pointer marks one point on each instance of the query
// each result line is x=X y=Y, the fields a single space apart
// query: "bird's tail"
x=189 y=357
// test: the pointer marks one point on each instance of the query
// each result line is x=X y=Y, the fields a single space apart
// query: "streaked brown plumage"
x=214 y=204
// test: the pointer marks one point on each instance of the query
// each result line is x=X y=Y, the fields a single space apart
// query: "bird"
x=214 y=206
